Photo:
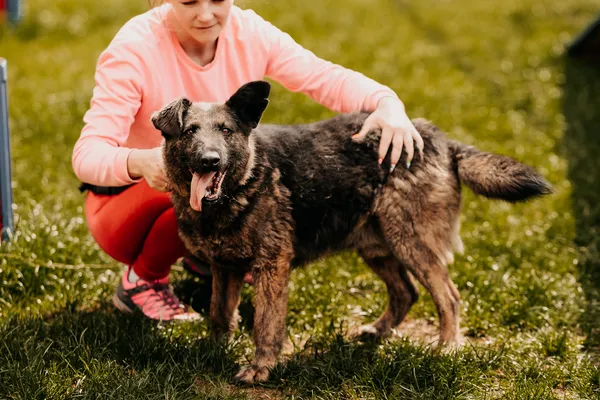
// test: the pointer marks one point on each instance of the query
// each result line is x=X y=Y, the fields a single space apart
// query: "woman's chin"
x=205 y=35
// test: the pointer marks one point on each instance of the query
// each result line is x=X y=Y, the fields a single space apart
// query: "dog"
x=267 y=198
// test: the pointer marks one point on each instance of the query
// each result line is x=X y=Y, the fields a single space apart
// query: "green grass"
x=489 y=73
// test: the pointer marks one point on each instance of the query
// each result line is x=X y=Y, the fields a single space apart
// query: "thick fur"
x=292 y=194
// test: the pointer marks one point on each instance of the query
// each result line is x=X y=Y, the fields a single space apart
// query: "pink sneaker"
x=154 y=299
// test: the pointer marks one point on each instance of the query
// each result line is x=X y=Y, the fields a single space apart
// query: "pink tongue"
x=199 y=185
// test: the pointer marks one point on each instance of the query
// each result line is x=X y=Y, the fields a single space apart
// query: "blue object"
x=14 y=10
x=6 y=198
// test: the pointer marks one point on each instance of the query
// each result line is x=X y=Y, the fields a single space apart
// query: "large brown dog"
x=266 y=198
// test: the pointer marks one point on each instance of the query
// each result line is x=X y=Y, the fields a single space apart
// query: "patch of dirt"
x=225 y=389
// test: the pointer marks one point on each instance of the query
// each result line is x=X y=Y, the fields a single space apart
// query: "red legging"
x=136 y=227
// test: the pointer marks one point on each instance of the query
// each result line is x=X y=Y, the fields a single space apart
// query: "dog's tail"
x=496 y=176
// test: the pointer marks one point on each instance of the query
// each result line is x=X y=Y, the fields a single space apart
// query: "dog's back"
x=334 y=181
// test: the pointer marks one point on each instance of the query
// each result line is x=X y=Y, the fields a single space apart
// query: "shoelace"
x=167 y=295
x=162 y=294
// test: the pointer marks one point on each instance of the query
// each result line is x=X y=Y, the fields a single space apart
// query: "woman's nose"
x=205 y=13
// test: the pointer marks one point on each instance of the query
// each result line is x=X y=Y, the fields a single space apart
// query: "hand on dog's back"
x=397 y=130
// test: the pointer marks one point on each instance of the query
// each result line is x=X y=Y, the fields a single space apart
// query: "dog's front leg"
x=270 y=303
x=226 y=288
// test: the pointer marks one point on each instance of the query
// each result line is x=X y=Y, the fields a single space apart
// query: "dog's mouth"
x=205 y=186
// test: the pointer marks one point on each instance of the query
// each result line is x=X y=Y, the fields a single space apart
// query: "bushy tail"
x=496 y=176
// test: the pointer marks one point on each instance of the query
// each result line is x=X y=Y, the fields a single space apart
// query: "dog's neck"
x=251 y=163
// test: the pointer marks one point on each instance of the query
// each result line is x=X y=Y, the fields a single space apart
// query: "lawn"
x=489 y=73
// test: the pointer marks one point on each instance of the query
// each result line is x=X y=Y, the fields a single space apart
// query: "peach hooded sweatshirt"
x=145 y=67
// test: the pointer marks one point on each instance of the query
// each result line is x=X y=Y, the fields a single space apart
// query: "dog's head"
x=209 y=148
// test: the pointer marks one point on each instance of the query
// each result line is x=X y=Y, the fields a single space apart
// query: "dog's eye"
x=189 y=131
x=226 y=131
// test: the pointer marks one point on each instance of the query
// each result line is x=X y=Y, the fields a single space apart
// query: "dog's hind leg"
x=432 y=273
x=402 y=294
x=226 y=288
x=418 y=222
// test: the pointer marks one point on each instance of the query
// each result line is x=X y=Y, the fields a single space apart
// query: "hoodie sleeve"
x=299 y=70
x=99 y=156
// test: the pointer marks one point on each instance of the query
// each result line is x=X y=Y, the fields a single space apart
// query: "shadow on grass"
x=397 y=370
x=581 y=108
x=103 y=351
x=100 y=352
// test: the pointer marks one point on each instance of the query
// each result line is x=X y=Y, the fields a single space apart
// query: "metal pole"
x=14 y=10
x=6 y=198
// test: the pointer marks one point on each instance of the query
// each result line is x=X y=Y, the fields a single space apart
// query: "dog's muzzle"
x=206 y=183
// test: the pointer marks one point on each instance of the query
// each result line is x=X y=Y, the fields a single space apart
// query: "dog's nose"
x=210 y=159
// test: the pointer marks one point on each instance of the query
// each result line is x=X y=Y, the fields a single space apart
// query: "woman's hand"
x=149 y=164
x=396 y=129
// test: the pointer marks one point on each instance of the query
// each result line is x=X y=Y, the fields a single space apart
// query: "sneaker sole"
x=121 y=306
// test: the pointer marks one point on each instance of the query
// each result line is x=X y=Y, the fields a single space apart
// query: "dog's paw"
x=451 y=346
x=366 y=333
x=252 y=374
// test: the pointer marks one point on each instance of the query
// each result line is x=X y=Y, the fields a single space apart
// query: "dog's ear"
x=250 y=101
x=169 y=120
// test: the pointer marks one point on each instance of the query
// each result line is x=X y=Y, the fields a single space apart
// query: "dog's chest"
x=229 y=248
x=233 y=245
x=234 y=248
